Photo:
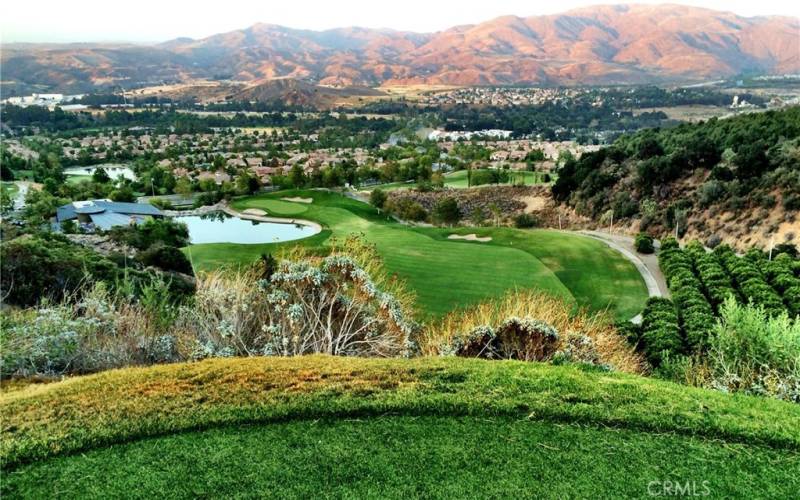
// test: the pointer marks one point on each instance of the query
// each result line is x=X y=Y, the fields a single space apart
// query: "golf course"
x=444 y=273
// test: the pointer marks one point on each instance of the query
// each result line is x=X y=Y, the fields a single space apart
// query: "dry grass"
x=611 y=347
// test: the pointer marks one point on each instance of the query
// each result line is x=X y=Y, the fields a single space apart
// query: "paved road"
x=646 y=264
x=19 y=199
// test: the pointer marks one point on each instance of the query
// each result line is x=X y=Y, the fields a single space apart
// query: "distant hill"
x=600 y=44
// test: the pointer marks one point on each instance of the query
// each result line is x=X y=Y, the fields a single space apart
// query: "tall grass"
x=584 y=336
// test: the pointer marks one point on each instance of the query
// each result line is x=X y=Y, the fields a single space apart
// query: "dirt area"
x=297 y=199
x=534 y=203
x=254 y=211
x=469 y=237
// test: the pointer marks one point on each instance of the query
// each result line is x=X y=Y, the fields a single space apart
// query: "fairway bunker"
x=297 y=199
x=469 y=237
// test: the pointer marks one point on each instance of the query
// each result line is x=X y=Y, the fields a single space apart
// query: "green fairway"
x=447 y=274
x=357 y=427
x=458 y=180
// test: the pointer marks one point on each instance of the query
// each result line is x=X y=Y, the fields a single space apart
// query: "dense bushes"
x=749 y=280
x=515 y=338
x=660 y=335
x=644 y=243
x=745 y=161
x=158 y=242
x=406 y=209
x=526 y=221
x=780 y=274
x=308 y=305
x=49 y=266
x=142 y=236
x=101 y=330
x=753 y=345
x=165 y=257
x=446 y=211
x=695 y=312
x=755 y=353
x=716 y=282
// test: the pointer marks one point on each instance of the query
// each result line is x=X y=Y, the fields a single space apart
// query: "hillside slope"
x=294 y=424
x=733 y=180
x=599 y=44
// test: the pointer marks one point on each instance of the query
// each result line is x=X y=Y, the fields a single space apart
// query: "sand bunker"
x=254 y=211
x=469 y=237
x=298 y=199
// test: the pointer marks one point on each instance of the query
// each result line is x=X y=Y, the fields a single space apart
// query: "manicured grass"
x=427 y=426
x=447 y=274
x=458 y=180
x=407 y=457
x=10 y=188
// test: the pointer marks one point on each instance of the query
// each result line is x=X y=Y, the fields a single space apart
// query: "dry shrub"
x=580 y=336
x=310 y=304
x=343 y=303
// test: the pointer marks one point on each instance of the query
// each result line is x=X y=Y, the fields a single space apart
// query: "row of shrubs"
x=749 y=280
x=695 y=312
x=780 y=273
x=717 y=285
x=660 y=334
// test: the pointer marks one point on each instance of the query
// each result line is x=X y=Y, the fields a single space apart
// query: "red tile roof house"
x=217 y=177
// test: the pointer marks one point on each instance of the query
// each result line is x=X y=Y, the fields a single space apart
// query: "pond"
x=222 y=228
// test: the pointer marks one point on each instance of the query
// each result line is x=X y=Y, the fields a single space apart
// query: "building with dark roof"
x=105 y=214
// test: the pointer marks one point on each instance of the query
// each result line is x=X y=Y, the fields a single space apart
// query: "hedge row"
x=660 y=332
x=749 y=280
x=696 y=314
x=779 y=273
x=717 y=285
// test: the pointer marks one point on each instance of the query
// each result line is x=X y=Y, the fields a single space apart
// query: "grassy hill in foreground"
x=347 y=426
x=447 y=274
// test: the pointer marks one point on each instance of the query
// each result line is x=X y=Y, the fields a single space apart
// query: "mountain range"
x=595 y=45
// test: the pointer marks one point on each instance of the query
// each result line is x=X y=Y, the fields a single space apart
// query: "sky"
x=160 y=20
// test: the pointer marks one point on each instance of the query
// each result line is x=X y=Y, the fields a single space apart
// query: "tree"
x=446 y=211
x=100 y=176
x=6 y=173
x=123 y=194
x=377 y=198
x=297 y=177
x=246 y=184
x=40 y=206
x=183 y=187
